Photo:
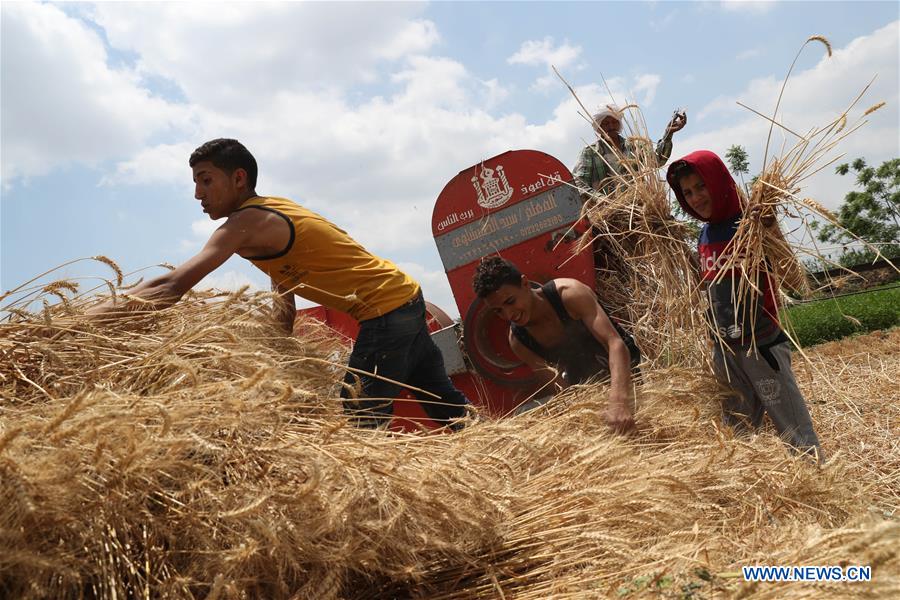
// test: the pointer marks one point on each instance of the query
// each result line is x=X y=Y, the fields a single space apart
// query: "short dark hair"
x=228 y=155
x=492 y=273
x=680 y=170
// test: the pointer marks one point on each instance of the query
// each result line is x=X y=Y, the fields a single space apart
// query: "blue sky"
x=364 y=111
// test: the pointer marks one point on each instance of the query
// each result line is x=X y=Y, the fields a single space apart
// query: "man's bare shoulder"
x=578 y=298
x=247 y=216
x=260 y=222
x=567 y=286
x=261 y=232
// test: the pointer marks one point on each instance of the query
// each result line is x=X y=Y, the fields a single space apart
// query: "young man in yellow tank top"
x=306 y=255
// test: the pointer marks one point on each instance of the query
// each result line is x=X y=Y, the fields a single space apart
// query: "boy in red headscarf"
x=759 y=374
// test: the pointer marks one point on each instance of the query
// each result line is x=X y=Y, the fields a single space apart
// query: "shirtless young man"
x=562 y=333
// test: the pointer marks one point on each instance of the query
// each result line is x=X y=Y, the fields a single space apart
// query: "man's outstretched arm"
x=582 y=302
x=167 y=289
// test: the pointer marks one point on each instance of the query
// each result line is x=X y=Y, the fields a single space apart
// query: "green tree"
x=872 y=213
x=738 y=162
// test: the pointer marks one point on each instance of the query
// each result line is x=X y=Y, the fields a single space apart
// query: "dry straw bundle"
x=646 y=270
x=759 y=248
x=244 y=480
x=208 y=337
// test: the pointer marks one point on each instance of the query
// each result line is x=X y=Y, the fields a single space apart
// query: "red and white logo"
x=493 y=190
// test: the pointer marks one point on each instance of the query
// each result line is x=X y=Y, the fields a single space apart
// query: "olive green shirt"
x=595 y=161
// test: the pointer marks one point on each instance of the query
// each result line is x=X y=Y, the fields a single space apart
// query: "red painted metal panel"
x=341 y=322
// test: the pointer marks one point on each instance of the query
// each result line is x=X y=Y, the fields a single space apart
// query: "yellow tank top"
x=324 y=264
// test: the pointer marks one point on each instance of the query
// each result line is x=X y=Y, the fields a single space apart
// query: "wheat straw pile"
x=646 y=266
x=196 y=453
x=646 y=271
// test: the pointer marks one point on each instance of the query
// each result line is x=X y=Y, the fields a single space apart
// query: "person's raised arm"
x=581 y=302
x=167 y=289
x=664 y=146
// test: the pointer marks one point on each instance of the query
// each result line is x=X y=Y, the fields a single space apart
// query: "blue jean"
x=398 y=346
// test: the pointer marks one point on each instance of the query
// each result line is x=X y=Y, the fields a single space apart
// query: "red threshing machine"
x=518 y=205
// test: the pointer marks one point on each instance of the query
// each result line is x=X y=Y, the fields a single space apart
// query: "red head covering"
x=722 y=189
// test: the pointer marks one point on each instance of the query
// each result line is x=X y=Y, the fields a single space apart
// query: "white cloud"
x=227 y=56
x=205 y=227
x=748 y=54
x=61 y=101
x=639 y=89
x=545 y=53
x=431 y=82
x=201 y=230
x=415 y=37
x=155 y=164
x=391 y=227
x=647 y=84
x=826 y=89
x=314 y=143
x=374 y=166
x=494 y=93
x=544 y=83
x=813 y=97
x=758 y=7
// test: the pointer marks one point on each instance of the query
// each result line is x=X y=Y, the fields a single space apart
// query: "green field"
x=836 y=318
